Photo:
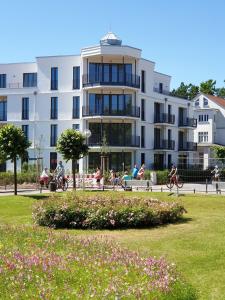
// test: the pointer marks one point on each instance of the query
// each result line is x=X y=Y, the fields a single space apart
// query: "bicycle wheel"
x=65 y=185
x=179 y=183
x=170 y=185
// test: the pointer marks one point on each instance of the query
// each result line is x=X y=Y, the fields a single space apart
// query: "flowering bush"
x=104 y=211
x=42 y=264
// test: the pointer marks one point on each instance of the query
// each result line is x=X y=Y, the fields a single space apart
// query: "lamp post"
x=87 y=134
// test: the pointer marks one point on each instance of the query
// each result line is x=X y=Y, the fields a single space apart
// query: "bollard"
x=161 y=189
x=151 y=189
x=206 y=185
x=194 y=191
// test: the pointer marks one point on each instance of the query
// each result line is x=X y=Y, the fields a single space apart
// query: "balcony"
x=157 y=90
x=133 y=112
x=187 y=146
x=114 y=141
x=164 y=145
x=129 y=80
x=188 y=122
x=164 y=118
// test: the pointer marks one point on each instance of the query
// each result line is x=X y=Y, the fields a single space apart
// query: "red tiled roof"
x=218 y=100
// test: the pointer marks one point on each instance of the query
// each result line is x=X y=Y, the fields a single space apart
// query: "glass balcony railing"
x=132 y=111
x=188 y=122
x=130 y=80
x=164 y=118
x=187 y=146
x=164 y=145
x=115 y=141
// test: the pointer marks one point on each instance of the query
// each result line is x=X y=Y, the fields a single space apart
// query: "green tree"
x=13 y=144
x=219 y=152
x=208 y=87
x=193 y=91
x=71 y=144
x=181 y=91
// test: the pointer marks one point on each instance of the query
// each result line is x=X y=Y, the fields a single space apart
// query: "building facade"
x=110 y=90
x=210 y=114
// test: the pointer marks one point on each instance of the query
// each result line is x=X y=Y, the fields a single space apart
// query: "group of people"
x=59 y=173
x=138 y=173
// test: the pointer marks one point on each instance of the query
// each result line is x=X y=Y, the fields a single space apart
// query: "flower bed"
x=42 y=264
x=104 y=211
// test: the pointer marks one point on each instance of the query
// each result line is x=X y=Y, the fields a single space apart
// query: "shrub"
x=6 y=178
x=99 y=211
x=162 y=176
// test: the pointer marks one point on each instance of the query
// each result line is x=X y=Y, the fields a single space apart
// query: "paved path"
x=187 y=188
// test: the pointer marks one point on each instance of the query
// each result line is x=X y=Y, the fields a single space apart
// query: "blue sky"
x=186 y=39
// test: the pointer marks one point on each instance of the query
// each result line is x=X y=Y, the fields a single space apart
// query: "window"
x=143 y=109
x=53 y=160
x=142 y=158
x=205 y=102
x=203 y=137
x=76 y=107
x=25 y=108
x=54 y=78
x=160 y=87
x=25 y=129
x=76 y=127
x=53 y=138
x=197 y=103
x=54 y=107
x=76 y=78
x=142 y=136
x=3 y=110
x=203 y=118
x=143 y=81
x=29 y=79
x=2 y=81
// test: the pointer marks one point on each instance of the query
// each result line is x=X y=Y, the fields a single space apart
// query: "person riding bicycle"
x=60 y=171
x=173 y=174
x=216 y=173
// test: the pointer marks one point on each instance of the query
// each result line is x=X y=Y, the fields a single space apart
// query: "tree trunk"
x=74 y=173
x=15 y=176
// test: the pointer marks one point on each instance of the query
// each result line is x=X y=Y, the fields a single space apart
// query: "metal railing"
x=130 y=80
x=187 y=146
x=133 y=111
x=164 y=145
x=188 y=122
x=115 y=141
x=164 y=118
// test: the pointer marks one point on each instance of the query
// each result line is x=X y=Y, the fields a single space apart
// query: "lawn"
x=197 y=245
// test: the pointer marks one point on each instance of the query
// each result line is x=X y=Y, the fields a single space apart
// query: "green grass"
x=197 y=245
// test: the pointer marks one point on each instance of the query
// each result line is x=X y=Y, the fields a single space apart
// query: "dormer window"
x=205 y=102
x=197 y=103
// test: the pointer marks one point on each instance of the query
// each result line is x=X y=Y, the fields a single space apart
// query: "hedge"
x=104 y=211
x=7 y=178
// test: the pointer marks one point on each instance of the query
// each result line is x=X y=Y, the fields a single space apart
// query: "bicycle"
x=61 y=182
x=174 y=180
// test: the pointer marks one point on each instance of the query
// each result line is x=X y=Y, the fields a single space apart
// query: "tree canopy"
x=72 y=145
x=189 y=91
x=13 y=144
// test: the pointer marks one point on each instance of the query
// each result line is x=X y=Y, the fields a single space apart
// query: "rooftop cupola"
x=110 y=39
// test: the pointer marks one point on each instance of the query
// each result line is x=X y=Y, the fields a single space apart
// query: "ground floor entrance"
x=119 y=161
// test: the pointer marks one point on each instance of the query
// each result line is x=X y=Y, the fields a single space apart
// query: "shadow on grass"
x=37 y=197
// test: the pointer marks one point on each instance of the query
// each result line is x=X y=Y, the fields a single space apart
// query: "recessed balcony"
x=187 y=146
x=164 y=118
x=164 y=145
x=133 y=111
x=129 y=80
x=96 y=140
x=188 y=122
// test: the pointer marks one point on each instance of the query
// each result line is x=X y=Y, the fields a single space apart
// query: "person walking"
x=135 y=172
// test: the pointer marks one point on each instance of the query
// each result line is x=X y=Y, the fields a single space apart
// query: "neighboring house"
x=110 y=90
x=210 y=114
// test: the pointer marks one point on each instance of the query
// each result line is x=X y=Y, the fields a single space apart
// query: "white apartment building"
x=210 y=114
x=110 y=90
